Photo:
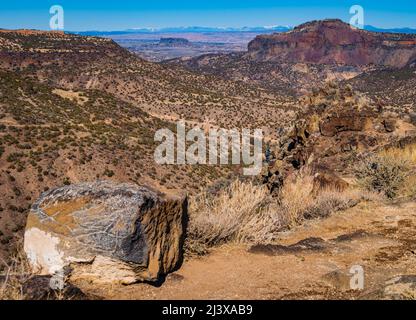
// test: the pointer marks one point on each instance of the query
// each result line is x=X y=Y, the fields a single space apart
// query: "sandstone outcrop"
x=334 y=128
x=335 y=42
x=106 y=232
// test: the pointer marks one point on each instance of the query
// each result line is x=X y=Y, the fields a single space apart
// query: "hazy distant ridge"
x=197 y=29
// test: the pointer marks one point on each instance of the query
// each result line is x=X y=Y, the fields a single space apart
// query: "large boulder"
x=106 y=232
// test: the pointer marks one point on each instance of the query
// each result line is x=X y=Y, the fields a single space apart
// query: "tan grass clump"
x=407 y=154
x=246 y=213
x=239 y=212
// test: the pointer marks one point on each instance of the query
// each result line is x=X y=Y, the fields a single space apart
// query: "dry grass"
x=16 y=278
x=408 y=189
x=12 y=280
x=296 y=198
x=246 y=213
x=392 y=172
x=407 y=154
x=409 y=295
x=239 y=213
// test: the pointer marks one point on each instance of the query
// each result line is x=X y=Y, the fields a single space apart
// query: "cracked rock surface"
x=106 y=232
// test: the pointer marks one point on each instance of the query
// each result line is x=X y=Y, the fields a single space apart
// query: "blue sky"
x=118 y=15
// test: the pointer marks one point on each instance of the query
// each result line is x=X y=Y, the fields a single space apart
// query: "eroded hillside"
x=75 y=62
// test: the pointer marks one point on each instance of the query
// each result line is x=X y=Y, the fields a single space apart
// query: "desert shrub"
x=109 y=173
x=383 y=173
x=246 y=213
x=329 y=201
x=17 y=191
x=230 y=216
x=408 y=189
x=13 y=157
x=66 y=181
x=295 y=198
x=408 y=155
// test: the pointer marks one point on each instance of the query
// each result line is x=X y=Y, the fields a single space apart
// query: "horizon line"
x=229 y=29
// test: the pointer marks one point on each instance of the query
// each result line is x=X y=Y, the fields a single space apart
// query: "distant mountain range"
x=196 y=29
x=393 y=30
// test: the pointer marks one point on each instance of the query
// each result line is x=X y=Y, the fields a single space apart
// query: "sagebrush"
x=386 y=172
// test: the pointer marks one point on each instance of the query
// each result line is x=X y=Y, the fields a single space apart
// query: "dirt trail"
x=381 y=239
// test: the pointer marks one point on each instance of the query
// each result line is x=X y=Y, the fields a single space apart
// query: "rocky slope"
x=395 y=89
x=336 y=129
x=80 y=63
x=337 y=126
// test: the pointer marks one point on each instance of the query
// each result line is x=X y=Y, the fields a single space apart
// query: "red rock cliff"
x=334 y=42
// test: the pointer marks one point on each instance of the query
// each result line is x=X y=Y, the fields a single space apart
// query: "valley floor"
x=380 y=238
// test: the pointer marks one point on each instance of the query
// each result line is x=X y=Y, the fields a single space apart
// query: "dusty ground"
x=380 y=238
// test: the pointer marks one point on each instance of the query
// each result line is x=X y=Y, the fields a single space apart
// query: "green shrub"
x=383 y=174
x=109 y=173
x=66 y=181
